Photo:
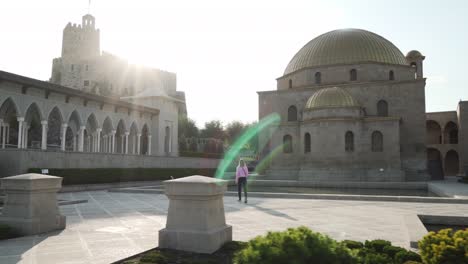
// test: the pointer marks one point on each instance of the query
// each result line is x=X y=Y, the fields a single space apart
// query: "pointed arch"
x=9 y=106
x=9 y=113
x=377 y=141
x=54 y=125
x=33 y=127
x=452 y=163
x=90 y=137
x=120 y=136
x=133 y=138
x=144 y=140
x=451 y=133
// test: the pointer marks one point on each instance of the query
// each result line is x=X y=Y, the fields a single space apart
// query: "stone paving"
x=112 y=226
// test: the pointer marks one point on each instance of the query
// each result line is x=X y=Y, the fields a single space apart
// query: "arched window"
x=306 y=143
x=377 y=141
x=290 y=83
x=382 y=108
x=349 y=141
x=287 y=144
x=413 y=64
x=353 y=75
x=391 y=75
x=318 y=78
x=292 y=113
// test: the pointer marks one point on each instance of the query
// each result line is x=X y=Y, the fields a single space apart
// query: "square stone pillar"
x=31 y=203
x=195 y=219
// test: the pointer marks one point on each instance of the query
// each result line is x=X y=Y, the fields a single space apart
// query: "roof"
x=331 y=97
x=55 y=88
x=345 y=46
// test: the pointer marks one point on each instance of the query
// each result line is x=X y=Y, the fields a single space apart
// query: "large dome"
x=345 y=46
x=331 y=97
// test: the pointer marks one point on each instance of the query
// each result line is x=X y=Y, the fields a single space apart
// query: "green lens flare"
x=262 y=165
x=234 y=150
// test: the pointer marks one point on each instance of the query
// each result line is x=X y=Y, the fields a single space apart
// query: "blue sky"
x=225 y=51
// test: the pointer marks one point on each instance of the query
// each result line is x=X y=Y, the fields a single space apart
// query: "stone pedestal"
x=195 y=220
x=31 y=203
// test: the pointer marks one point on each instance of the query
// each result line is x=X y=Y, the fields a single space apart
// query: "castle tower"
x=81 y=41
x=415 y=59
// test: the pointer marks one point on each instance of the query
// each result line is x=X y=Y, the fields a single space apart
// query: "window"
x=353 y=75
x=413 y=64
x=391 y=76
x=292 y=113
x=86 y=83
x=306 y=143
x=382 y=108
x=287 y=144
x=377 y=141
x=290 y=83
x=318 y=78
x=349 y=141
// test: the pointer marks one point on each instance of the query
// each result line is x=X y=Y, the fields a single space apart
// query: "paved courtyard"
x=112 y=226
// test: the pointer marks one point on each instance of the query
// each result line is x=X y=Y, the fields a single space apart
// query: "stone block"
x=30 y=205
x=196 y=221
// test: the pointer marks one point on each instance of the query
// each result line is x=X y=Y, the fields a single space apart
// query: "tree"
x=213 y=129
x=234 y=130
x=187 y=128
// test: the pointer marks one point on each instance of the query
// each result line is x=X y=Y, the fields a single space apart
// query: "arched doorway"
x=106 y=136
x=433 y=132
x=132 y=139
x=144 y=140
x=33 y=127
x=54 y=129
x=9 y=116
x=91 y=134
x=120 y=137
x=434 y=164
x=451 y=133
x=72 y=136
x=451 y=163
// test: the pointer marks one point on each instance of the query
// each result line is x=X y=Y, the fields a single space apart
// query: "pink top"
x=242 y=172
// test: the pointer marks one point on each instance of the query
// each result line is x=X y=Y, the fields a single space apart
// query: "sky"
x=223 y=52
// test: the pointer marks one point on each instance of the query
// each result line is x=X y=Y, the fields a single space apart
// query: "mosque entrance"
x=434 y=164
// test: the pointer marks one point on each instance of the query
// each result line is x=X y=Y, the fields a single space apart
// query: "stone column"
x=2 y=134
x=149 y=144
x=138 y=143
x=98 y=142
x=64 y=133
x=126 y=142
x=20 y=130
x=195 y=218
x=8 y=133
x=113 y=141
x=104 y=144
x=25 y=135
x=81 y=138
x=122 y=144
x=31 y=203
x=44 y=135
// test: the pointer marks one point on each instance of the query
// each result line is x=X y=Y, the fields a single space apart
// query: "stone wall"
x=18 y=161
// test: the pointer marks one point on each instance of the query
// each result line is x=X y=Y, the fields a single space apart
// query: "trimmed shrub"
x=295 y=245
x=377 y=245
x=445 y=247
x=7 y=232
x=376 y=258
x=391 y=251
x=351 y=244
x=405 y=255
x=113 y=175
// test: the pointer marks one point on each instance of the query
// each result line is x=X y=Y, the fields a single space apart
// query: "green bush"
x=295 y=245
x=112 y=175
x=154 y=257
x=391 y=251
x=445 y=247
x=376 y=258
x=201 y=155
x=405 y=256
x=7 y=232
x=351 y=244
x=377 y=245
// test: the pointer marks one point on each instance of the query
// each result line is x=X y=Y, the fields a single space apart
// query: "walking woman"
x=242 y=172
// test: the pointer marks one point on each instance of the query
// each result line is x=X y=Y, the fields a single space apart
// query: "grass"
x=224 y=255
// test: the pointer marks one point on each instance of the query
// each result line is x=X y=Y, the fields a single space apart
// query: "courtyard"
x=112 y=226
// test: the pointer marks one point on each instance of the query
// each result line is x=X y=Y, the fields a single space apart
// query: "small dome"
x=331 y=97
x=345 y=46
x=414 y=54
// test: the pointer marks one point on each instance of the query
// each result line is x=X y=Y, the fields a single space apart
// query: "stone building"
x=93 y=104
x=352 y=108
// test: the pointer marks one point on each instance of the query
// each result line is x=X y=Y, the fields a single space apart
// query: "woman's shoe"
x=245 y=201
x=239 y=200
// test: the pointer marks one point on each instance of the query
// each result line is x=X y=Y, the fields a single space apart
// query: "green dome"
x=345 y=46
x=331 y=97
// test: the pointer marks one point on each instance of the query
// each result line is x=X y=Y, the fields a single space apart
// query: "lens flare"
x=262 y=165
x=234 y=150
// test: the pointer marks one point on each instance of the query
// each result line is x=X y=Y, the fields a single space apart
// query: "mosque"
x=352 y=108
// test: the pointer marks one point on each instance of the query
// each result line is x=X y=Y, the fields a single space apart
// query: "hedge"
x=201 y=155
x=112 y=175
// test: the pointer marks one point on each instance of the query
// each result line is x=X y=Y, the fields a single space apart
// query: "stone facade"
x=389 y=89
